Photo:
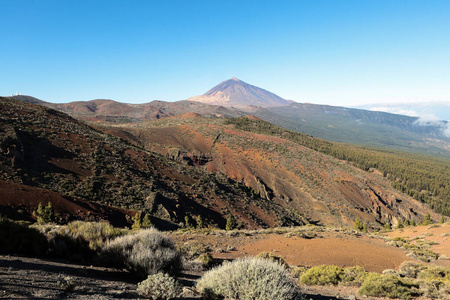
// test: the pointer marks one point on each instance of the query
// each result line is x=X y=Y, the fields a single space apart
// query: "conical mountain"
x=237 y=93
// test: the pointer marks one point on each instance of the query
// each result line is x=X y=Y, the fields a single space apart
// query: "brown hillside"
x=318 y=187
x=18 y=202
x=44 y=148
x=111 y=111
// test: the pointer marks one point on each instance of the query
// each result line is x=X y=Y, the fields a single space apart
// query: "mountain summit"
x=237 y=93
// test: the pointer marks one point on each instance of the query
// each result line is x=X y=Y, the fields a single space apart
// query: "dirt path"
x=29 y=278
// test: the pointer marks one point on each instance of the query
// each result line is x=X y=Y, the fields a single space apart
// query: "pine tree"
x=136 y=221
x=44 y=214
x=427 y=219
x=146 y=223
x=200 y=222
x=49 y=213
x=359 y=225
x=231 y=223
x=39 y=213
x=187 y=222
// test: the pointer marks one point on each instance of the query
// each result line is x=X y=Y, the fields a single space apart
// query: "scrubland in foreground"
x=295 y=262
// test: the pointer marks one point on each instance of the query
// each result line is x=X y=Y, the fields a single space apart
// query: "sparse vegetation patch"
x=159 y=286
x=249 y=278
x=143 y=253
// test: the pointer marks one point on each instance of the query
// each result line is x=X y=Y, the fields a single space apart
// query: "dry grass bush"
x=63 y=244
x=192 y=249
x=95 y=233
x=297 y=272
x=419 y=250
x=273 y=257
x=434 y=273
x=249 y=278
x=20 y=238
x=159 y=286
x=434 y=281
x=354 y=276
x=206 y=259
x=435 y=289
x=377 y=285
x=301 y=233
x=143 y=253
x=66 y=283
x=443 y=257
x=390 y=272
x=78 y=241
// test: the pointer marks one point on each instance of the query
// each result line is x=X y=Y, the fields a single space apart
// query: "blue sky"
x=329 y=52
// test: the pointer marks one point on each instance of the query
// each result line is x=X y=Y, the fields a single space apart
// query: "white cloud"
x=446 y=130
x=395 y=110
x=429 y=119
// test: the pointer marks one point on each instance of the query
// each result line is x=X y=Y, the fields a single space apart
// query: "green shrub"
x=435 y=273
x=249 y=278
x=377 y=285
x=323 y=275
x=159 y=286
x=19 y=238
x=143 y=253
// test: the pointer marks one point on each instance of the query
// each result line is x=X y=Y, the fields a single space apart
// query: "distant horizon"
x=432 y=110
x=340 y=53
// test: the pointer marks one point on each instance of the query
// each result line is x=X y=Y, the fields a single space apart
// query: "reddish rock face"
x=320 y=188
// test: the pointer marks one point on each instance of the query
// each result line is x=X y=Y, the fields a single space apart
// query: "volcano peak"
x=237 y=93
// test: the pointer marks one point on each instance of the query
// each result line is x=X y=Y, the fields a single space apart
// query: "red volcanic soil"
x=331 y=248
x=19 y=201
x=437 y=233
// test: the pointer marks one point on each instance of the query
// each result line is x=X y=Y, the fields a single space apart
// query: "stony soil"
x=30 y=278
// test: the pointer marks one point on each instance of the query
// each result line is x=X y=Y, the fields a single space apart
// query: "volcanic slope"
x=323 y=189
x=45 y=149
x=237 y=93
